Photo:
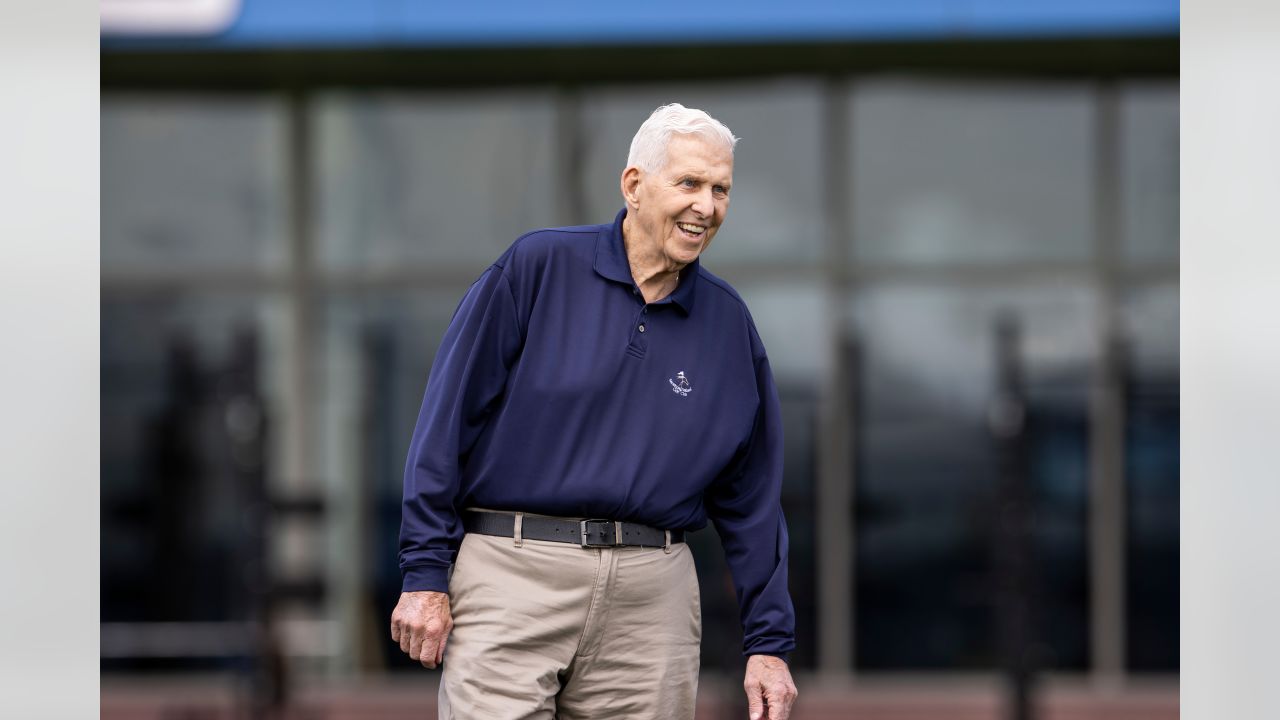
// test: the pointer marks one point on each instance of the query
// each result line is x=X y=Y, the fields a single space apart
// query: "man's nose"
x=704 y=203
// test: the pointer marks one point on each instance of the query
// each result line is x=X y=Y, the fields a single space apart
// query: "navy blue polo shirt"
x=557 y=390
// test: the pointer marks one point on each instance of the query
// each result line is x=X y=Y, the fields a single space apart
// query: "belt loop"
x=519 y=537
x=666 y=548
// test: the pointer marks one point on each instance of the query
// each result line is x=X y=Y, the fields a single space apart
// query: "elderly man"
x=598 y=395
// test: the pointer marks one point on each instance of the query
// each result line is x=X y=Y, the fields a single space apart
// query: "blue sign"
x=240 y=24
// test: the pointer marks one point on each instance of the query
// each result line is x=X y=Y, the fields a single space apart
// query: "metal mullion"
x=1106 y=517
x=834 y=492
x=299 y=464
x=239 y=281
x=417 y=277
x=569 y=156
x=301 y=474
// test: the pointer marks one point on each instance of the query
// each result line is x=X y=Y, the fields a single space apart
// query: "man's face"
x=680 y=207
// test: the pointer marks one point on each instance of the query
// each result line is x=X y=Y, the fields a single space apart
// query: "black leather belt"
x=589 y=533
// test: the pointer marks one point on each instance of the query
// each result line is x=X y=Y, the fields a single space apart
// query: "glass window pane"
x=791 y=319
x=190 y=392
x=1149 y=130
x=422 y=178
x=193 y=183
x=776 y=208
x=928 y=471
x=1152 y=474
x=951 y=173
x=1149 y=320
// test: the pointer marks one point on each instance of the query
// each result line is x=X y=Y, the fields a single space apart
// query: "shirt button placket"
x=638 y=341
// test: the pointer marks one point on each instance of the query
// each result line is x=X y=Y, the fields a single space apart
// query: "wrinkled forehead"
x=692 y=152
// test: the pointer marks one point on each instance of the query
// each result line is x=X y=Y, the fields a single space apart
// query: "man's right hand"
x=421 y=623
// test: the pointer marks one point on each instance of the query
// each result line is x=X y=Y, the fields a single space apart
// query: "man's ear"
x=631 y=178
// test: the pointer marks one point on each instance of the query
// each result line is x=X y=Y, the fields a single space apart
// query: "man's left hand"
x=769 y=688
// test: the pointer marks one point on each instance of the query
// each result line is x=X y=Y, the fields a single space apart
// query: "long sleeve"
x=745 y=505
x=470 y=372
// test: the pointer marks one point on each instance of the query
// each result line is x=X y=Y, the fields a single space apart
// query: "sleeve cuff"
x=424 y=577
x=783 y=656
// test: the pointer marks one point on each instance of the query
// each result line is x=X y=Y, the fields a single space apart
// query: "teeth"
x=695 y=229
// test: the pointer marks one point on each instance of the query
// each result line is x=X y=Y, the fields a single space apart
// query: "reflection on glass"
x=193 y=184
x=428 y=178
x=791 y=320
x=971 y=173
x=775 y=210
x=928 y=470
x=190 y=413
x=1149 y=173
x=1149 y=320
x=1152 y=474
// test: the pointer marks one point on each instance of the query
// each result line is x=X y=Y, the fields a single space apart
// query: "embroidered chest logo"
x=680 y=384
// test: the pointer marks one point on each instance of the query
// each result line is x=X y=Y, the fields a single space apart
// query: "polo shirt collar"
x=611 y=263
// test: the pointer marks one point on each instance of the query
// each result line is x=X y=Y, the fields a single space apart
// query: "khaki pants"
x=553 y=630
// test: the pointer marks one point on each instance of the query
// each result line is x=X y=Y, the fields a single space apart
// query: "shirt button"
x=641 y=328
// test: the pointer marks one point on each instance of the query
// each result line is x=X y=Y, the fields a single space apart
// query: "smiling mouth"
x=691 y=229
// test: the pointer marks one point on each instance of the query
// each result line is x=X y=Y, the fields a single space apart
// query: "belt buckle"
x=614 y=541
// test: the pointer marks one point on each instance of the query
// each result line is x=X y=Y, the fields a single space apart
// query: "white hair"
x=649 y=146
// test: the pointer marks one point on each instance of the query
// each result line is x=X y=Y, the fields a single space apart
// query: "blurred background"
x=956 y=225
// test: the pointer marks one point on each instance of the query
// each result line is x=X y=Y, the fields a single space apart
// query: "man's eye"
x=688 y=183
x=721 y=190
